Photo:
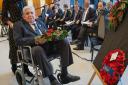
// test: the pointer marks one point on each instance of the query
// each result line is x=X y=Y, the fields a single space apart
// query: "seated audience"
x=47 y=15
x=66 y=15
x=88 y=16
x=58 y=15
x=75 y=23
x=28 y=31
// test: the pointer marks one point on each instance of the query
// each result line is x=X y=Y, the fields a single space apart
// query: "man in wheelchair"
x=25 y=33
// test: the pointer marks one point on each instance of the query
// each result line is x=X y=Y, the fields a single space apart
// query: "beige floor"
x=80 y=67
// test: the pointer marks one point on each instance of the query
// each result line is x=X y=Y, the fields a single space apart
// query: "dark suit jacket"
x=14 y=8
x=91 y=15
x=68 y=15
x=59 y=14
x=50 y=15
x=78 y=16
x=24 y=34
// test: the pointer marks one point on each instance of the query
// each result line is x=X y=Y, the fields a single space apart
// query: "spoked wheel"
x=2 y=34
x=58 y=77
x=20 y=77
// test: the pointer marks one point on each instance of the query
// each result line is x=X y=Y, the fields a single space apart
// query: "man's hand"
x=90 y=24
x=77 y=22
x=86 y=22
x=39 y=40
x=61 y=19
x=10 y=24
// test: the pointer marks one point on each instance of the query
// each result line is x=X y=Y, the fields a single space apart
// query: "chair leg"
x=92 y=77
x=92 y=55
x=91 y=47
x=92 y=50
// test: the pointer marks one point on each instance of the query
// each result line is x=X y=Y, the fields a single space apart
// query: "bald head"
x=100 y=5
x=76 y=8
x=86 y=3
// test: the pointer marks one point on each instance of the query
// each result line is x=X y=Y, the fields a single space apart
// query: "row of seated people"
x=69 y=19
x=78 y=20
x=52 y=15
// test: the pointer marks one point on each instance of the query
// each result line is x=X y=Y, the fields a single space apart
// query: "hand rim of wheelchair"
x=58 y=77
x=20 y=77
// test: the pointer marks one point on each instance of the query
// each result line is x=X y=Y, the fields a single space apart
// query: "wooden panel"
x=1 y=4
x=48 y=1
x=37 y=4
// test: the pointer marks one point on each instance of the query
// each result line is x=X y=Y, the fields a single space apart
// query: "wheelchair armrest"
x=29 y=47
x=25 y=54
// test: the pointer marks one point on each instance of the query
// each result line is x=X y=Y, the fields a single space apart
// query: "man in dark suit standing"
x=89 y=15
x=28 y=32
x=11 y=13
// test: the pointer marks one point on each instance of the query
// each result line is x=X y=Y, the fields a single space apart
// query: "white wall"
x=62 y=2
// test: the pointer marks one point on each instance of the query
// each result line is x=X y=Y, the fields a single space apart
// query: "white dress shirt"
x=85 y=14
x=35 y=27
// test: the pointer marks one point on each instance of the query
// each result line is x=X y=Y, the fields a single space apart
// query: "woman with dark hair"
x=11 y=13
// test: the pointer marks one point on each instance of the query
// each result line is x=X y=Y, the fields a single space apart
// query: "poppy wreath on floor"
x=113 y=66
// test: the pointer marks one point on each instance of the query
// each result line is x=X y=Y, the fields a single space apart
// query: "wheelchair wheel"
x=2 y=34
x=20 y=77
x=58 y=77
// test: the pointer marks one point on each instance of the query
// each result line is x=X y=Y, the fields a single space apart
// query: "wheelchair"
x=25 y=57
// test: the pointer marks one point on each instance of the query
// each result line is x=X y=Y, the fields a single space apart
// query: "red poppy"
x=53 y=35
x=112 y=69
x=120 y=14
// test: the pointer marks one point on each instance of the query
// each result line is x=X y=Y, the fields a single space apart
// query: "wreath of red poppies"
x=112 y=70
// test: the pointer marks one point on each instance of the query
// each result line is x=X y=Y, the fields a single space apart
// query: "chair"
x=95 y=41
x=98 y=38
x=25 y=57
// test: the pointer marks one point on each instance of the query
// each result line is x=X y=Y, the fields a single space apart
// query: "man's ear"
x=23 y=16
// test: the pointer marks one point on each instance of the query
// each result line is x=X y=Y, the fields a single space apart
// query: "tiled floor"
x=80 y=67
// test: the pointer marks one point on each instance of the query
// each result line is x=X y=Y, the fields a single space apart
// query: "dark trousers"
x=83 y=34
x=41 y=53
x=75 y=29
x=12 y=47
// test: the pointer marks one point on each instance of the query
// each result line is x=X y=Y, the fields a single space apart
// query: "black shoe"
x=55 y=82
x=78 y=48
x=69 y=78
x=14 y=68
x=26 y=70
x=28 y=73
x=74 y=42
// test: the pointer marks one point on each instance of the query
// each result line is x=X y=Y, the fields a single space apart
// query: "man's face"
x=86 y=4
x=29 y=15
x=100 y=6
x=76 y=8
